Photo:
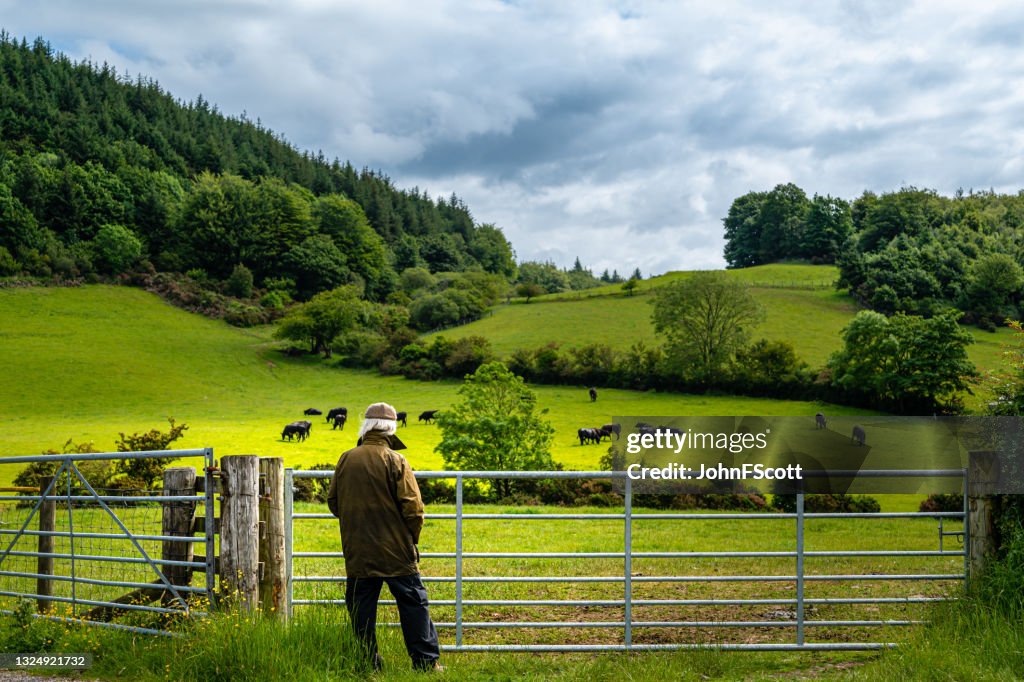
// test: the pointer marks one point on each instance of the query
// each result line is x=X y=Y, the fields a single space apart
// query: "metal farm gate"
x=654 y=588
x=104 y=556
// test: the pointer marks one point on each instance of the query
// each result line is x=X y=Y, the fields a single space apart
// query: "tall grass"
x=319 y=645
x=979 y=637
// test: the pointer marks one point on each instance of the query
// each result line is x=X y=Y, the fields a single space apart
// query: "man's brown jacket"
x=377 y=501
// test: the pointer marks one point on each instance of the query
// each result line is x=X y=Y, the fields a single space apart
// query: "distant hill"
x=98 y=170
x=802 y=307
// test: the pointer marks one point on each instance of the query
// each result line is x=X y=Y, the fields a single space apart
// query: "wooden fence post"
x=239 y=529
x=178 y=519
x=273 y=587
x=982 y=480
x=44 y=564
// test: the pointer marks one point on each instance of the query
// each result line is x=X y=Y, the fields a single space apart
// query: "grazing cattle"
x=858 y=436
x=644 y=427
x=290 y=431
x=588 y=435
x=427 y=416
x=593 y=394
x=335 y=411
x=819 y=421
x=612 y=428
x=400 y=417
x=339 y=421
x=300 y=429
x=603 y=433
x=312 y=411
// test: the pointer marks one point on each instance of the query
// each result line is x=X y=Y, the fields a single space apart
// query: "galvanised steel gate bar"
x=800 y=578
x=69 y=469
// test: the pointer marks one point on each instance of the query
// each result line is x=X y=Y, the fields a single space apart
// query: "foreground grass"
x=967 y=642
x=318 y=645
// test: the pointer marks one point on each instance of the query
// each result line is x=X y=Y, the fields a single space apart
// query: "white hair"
x=388 y=426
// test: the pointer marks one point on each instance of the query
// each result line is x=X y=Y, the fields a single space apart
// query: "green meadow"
x=801 y=307
x=87 y=363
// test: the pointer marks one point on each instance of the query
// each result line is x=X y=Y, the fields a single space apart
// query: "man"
x=377 y=501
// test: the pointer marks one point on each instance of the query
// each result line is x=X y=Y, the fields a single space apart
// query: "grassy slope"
x=90 y=362
x=800 y=309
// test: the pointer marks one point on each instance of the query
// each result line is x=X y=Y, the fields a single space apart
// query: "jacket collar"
x=379 y=438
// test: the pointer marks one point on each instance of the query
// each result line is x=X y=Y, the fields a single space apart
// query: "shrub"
x=436 y=491
x=831 y=503
x=239 y=284
x=313 y=489
x=275 y=300
x=116 y=248
x=942 y=502
x=8 y=266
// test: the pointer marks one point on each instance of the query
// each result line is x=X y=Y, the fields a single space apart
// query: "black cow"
x=644 y=427
x=427 y=416
x=858 y=436
x=312 y=411
x=612 y=428
x=339 y=421
x=300 y=429
x=400 y=417
x=588 y=435
x=819 y=421
x=593 y=395
x=335 y=411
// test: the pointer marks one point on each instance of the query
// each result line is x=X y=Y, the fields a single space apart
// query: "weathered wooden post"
x=44 y=564
x=178 y=521
x=239 y=529
x=273 y=585
x=982 y=481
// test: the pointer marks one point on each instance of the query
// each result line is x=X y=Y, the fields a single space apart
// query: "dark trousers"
x=361 y=595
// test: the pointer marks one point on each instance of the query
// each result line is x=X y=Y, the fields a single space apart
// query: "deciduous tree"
x=704 y=320
x=496 y=426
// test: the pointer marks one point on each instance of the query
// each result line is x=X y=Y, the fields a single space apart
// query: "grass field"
x=87 y=363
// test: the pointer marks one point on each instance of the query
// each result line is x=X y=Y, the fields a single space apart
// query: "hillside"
x=86 y=363
x=99 y=172
x=801 y=308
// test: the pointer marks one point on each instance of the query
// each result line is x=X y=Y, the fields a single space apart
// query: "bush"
x=8 y=266
x=116 y=248
x=943 y=502
x=831 y=503
x=239 y=284
x=436 y=491
x=241 y=315
x=313 y=489
x=275 y=300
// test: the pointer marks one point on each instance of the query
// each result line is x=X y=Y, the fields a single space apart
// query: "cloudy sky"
x=618 y=132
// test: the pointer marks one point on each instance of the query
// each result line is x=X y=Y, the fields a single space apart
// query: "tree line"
x=909 y=251
x=99 y=172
